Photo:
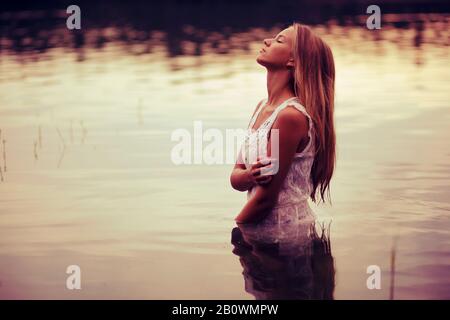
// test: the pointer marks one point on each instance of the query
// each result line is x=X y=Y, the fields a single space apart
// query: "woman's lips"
x=262 y=50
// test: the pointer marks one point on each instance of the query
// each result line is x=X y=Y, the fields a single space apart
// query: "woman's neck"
x=278 y=89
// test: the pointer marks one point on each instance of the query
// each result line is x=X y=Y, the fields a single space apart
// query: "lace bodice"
x=292 y=203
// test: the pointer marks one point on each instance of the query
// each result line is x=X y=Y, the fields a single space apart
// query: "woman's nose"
x=267 y=42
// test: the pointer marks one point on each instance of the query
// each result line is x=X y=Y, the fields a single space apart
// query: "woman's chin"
x=260 y=60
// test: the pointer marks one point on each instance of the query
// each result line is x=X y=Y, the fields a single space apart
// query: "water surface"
x=87 y=119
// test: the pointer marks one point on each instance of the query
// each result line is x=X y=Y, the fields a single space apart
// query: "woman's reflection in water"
x=298 y=265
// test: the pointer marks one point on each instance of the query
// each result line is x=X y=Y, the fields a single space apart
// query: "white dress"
x=289 y=222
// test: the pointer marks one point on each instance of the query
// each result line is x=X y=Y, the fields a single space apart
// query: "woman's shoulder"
x=292 y=116
x=291 y=123
x=295 y=104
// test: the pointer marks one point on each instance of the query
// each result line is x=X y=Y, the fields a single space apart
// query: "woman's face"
x=277 y=52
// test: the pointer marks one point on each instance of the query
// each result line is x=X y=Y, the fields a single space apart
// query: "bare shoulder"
x=292 y=119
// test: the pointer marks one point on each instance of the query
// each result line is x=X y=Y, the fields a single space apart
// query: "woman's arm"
x=292 y=127
x=240 y=176
x=243 y=179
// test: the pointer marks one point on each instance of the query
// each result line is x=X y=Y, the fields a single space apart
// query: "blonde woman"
x=299 y=106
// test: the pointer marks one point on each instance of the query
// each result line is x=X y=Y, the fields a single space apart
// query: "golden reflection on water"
x=89 y=179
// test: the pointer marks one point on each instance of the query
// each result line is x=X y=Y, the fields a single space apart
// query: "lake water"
x=87 y=177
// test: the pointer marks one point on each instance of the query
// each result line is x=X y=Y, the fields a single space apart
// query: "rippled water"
x=88 y=180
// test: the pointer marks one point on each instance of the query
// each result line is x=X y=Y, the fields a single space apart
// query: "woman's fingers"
x=257 y=165
x=261 y=171
x=263 y=179
x=261 y=163
x=256 y=172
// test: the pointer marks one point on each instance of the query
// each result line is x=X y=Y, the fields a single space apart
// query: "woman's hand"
x=260 y=171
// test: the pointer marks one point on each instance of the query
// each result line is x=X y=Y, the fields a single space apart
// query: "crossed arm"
x=293 y=128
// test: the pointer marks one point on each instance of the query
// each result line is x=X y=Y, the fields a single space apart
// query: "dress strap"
x=255 y=115
x=274 y=115
x=267 y=124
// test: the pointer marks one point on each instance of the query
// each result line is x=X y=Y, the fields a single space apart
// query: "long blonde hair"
x=313 y=83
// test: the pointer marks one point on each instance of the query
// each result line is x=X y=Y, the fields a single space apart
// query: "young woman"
x=300 y=103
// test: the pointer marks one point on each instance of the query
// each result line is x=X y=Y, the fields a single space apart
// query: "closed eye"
x=279 y=38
